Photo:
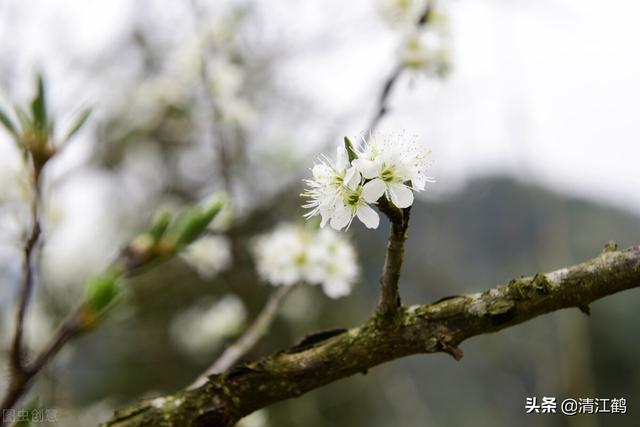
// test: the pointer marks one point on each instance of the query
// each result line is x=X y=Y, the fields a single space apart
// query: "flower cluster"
x=389 y=165
x=292 y=254
x=425 y=34
x=402 y=13
x=427 y=51
x=202 y=328
x=209 y=255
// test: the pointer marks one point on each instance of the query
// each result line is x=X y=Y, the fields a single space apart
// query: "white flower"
x=281 y=256
x=209 y=255
x=335 y=193
x=426 y=50
x=394 y=166
x=402 y=13
x=293 y=254
x=226 y=77
x=200 y=329
x=332 y=263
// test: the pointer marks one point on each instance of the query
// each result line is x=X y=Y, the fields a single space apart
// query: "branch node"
x=585 y=309
x=446 y=343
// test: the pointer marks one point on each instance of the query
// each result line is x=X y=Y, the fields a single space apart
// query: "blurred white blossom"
x=15 y=192
x=292 y=254
x=402 y=13
x=281 y=256
x=226 y=78
x=209 y=255
x=391 y=165
x=427 y=50
x=333 y=263
x=200 y=329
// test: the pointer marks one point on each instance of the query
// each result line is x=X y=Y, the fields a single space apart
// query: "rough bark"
x=438 y=327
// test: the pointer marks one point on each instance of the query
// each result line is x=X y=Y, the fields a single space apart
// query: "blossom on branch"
x=293 y=254
x=393 y=166
x=335 y=193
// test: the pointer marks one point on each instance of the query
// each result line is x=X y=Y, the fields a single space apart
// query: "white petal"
x=340 y=219
x=325 y=219
x=336 y=288
x=401 y=195
x=351 y=178
x=368 y=168
x=368 y=216
x=321 y=171
x=418 y=181
x=342 y=158
x=373 y=190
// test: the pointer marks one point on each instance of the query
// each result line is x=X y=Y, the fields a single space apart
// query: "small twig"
x=26 y=287
x=69 y=329
x=389 y=303
x=382 y=107
x=77 y=322
x=249 y=339
x=392 y=78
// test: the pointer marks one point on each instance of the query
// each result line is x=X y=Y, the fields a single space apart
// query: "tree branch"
x=250 y=338
x=394 y=75
x=389 y=304
x=26 y=286
x=437 y=327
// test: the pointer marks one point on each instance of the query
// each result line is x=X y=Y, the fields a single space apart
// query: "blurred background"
x=529 y=109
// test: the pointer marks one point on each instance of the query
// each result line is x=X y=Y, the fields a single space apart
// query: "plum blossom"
x=394 y=166
x=293 y=254
x=209 y=255
x=427 y=51
x=336 y=194
x=401 y=13
x=389 y=165
x=202 y=328
x=333 y=263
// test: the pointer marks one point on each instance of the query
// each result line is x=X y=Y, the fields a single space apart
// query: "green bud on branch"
x=190 y=224
x=101 y=293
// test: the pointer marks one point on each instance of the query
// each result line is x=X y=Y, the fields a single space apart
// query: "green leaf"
x=8 y=124
x=23 y=118
x=192 y=223
x=39 y=107
x=102 y=291
x=160 y=224
x=80 y=120
x=351 y=152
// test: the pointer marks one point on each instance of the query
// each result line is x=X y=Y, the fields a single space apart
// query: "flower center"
x=300 y=260
x=352 y=198
x=387 y=174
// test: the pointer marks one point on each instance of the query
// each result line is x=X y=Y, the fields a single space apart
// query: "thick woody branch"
x=439 y=327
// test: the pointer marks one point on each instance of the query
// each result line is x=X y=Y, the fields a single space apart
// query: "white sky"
x=547 y=90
